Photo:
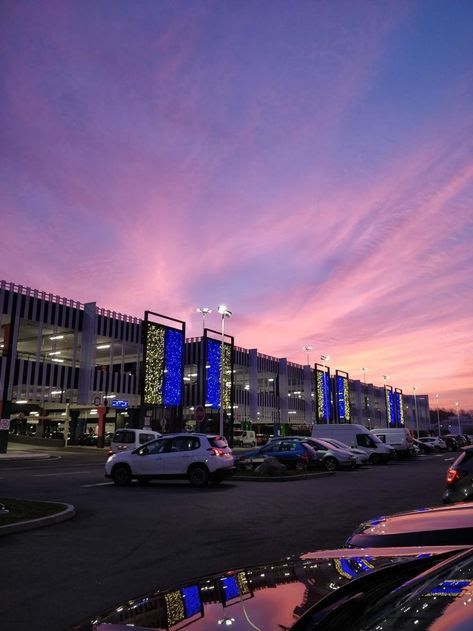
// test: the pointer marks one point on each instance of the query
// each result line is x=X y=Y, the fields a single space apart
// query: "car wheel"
x=301 y=466
x=121 y=475
x=330 y=464
x=375 y=459
x=253 y=444
x=198 y=476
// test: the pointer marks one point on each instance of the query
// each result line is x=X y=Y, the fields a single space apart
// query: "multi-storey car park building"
x=96 y=369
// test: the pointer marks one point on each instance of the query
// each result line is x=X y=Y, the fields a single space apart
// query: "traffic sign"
x=199 y=413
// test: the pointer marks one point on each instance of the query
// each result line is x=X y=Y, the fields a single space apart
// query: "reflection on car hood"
x=266 y=597
x=444 y=525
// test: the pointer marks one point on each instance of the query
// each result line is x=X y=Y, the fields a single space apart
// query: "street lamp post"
x=307 y=349
x=225 y=313
x=414 y=388
x=458 y=418
x=324 y=359
x=204 y=311
x=438 y=414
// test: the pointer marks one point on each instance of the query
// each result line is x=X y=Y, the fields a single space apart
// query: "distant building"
x=59 y=354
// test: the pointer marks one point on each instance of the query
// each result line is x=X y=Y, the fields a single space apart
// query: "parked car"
x=328 y=590
x=327 y=456
x=412 y=595
x=461 y=440
x=293 y=453
x=460 y=478
x=451 y=442
x=360 y=454
x=445 y=525
x=398 y=437
x=435 y=441
x=130 y=438
x=357 y=436
x=199 y=458
x=56 y=435
x=423 y=447
x=244 y=438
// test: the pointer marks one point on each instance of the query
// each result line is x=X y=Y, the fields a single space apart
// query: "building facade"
x=66 y=362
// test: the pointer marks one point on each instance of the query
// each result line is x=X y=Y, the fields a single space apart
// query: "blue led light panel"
x=341 y=396
x=192 y=602
x=230 y=587
x=326 y=391
x=173 y=367
x=212 y=375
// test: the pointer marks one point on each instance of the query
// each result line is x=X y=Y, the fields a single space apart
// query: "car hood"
x=267 y=597
x=433 y=526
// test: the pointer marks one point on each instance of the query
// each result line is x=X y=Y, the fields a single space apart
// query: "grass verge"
x=23 y=510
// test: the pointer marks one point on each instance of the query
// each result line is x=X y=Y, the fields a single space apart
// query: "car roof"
x=443 y=525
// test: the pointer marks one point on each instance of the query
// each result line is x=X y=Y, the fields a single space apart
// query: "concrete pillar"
x=308 y=385
x=253 y=383
x=87 y=354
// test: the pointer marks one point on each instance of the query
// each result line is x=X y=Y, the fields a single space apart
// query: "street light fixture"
x=204 y=311
x=225 y=313
x=307 y=349
x=415 y=411
x=324 y=359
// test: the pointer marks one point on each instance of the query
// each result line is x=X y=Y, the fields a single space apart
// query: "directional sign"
x=117 y=403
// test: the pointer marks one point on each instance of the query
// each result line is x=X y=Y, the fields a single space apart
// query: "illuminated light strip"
x=212 y=377
x=173 y=347
x=346 y=396
x=243 y=583
x=154 y=374
x=388 y=405
x=174 y=608
x=227 y=369
x=192 y=600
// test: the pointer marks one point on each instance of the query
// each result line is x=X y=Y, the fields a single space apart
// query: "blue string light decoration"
x=343 y=398
x=398 y=408
x=192 y=601
x=174 y=347
x=212 y=377
x=230 y=587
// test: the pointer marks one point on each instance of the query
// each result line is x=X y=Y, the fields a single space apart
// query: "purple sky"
x=310 y=164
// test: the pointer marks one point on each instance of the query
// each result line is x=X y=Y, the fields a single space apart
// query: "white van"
x=398 y=437
x=244 y=438
x=130 y=438
x=357 y=436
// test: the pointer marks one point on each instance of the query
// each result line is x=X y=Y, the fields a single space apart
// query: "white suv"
x=199 y=458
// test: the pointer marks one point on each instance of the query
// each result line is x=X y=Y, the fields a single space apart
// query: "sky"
x=309 y=164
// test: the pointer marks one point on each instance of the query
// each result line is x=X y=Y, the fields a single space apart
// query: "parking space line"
x=45 y=475
x=88 y=486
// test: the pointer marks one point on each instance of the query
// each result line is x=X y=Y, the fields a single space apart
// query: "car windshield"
x=402 y=600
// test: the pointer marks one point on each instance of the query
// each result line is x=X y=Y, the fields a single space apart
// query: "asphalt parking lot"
x=127 y=541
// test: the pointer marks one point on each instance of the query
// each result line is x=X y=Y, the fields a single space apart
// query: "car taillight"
x=216 y=451
x=452 y=476
x=110 y=452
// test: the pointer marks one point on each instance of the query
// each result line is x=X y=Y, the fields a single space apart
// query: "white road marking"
x=44 y=475
x=87 y=486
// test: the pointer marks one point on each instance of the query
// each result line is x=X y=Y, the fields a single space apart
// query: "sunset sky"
x=307 y=163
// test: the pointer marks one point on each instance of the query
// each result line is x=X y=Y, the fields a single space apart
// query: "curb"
x=68 y=513
x=18 y=457
x=282 y=478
